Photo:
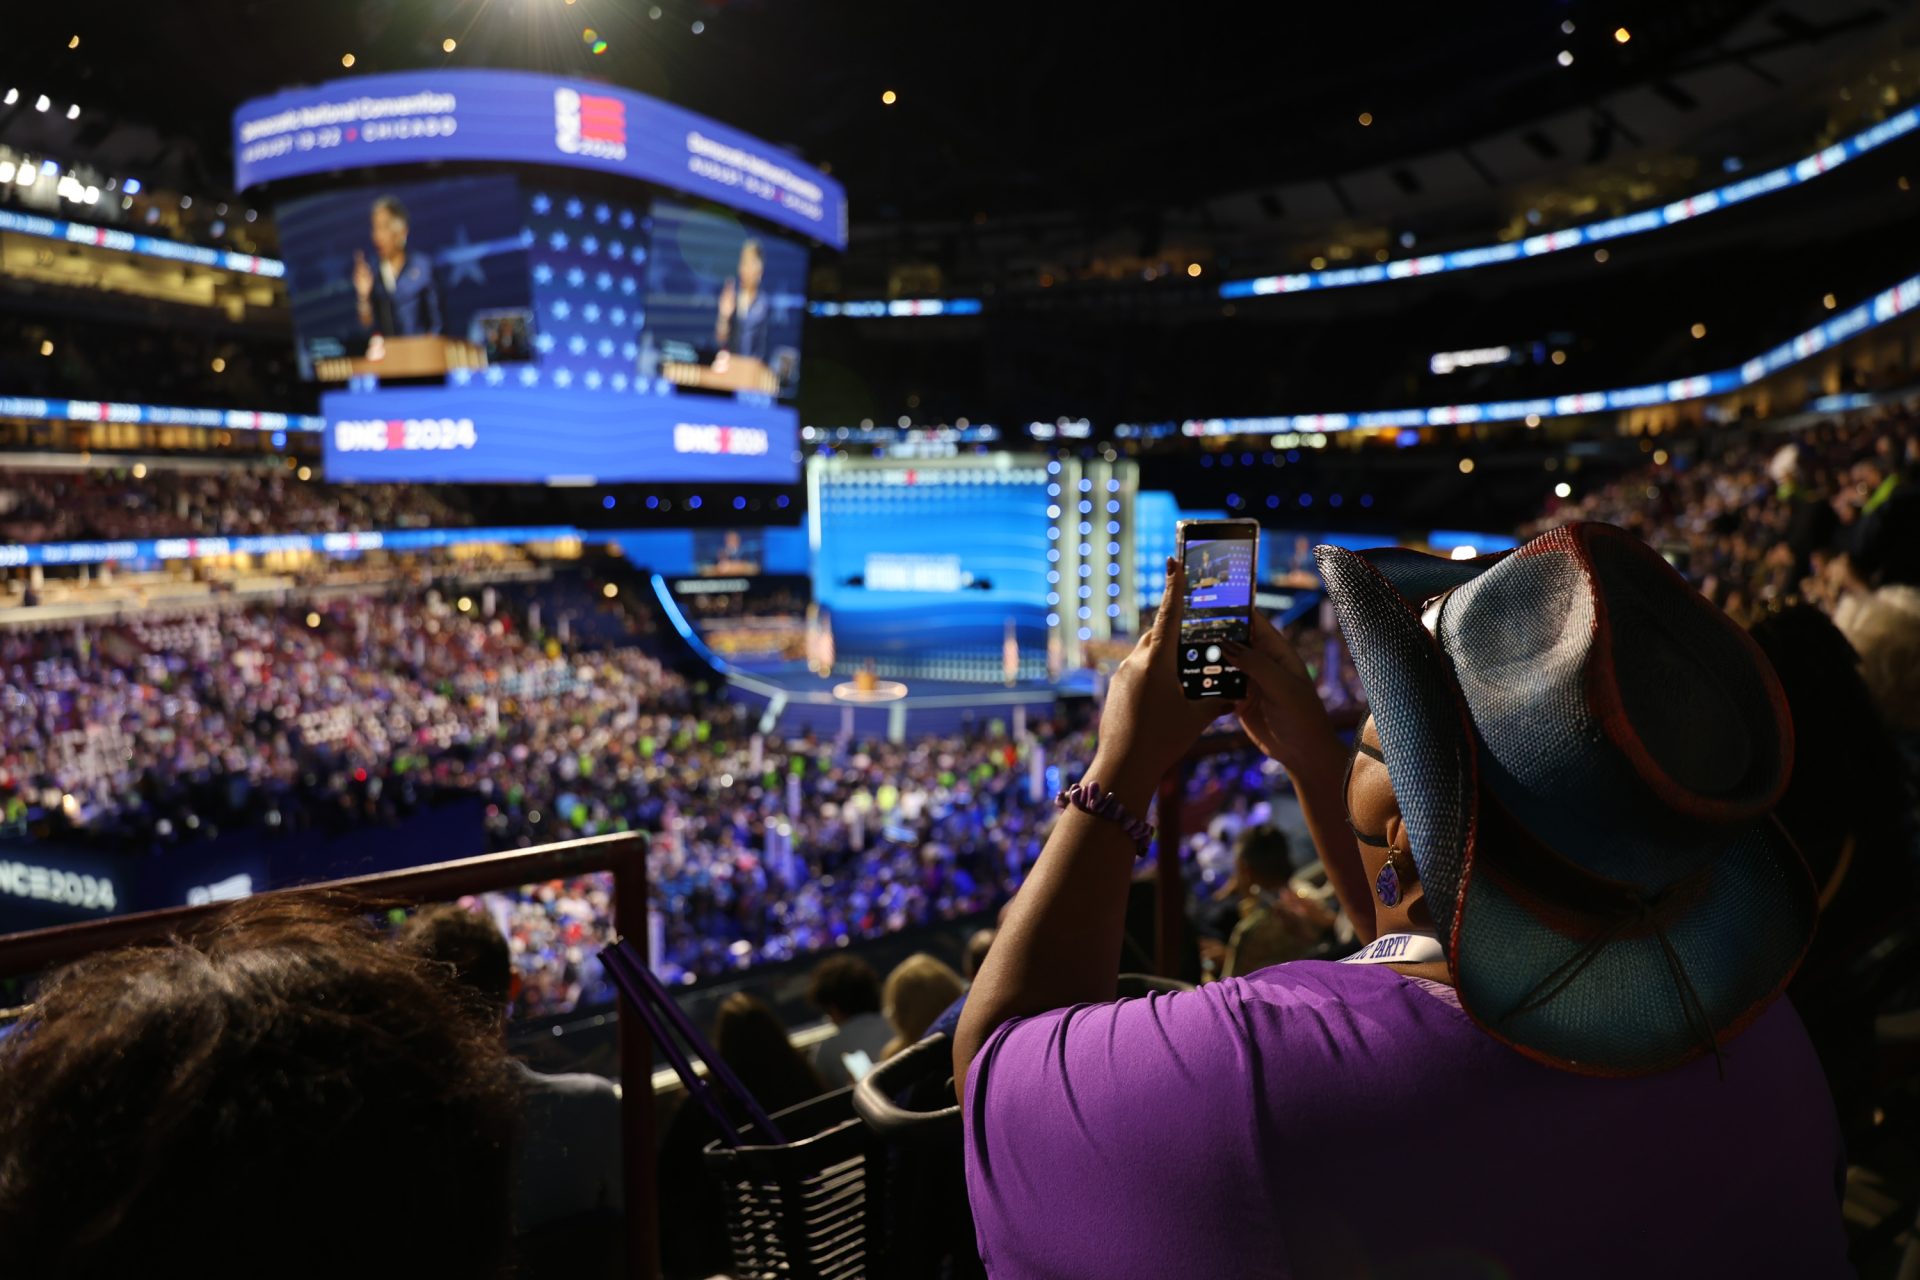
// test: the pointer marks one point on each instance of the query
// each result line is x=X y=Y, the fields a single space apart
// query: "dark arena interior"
x=715 y=638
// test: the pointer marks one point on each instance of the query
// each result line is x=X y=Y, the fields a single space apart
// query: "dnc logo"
x=586 y=124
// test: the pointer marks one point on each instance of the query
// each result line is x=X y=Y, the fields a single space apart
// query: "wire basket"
x=812 y=1206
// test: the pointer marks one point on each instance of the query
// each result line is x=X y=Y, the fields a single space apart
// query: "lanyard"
x=1399 y=948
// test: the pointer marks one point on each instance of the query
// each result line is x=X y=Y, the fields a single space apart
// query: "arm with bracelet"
x=1057 y=945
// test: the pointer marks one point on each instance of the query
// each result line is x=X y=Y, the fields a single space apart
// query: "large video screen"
x=724 y=303
x=409 y=279
x=481 y=329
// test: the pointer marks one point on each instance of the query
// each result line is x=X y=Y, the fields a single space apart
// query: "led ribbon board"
x=1791 y=175
x=517 y=117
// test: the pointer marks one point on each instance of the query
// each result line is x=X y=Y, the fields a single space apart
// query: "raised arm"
x=1285 y=718
x=1058 y=943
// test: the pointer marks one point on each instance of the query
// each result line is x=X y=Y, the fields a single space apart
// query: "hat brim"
x=1738 y=938
x=1426 y=733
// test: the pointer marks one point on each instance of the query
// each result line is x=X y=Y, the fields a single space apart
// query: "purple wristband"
x=1089 y=798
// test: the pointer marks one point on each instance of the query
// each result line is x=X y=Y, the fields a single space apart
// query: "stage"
x=793 y=700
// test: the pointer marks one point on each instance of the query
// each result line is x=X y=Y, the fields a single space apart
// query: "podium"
x=728 y=372
x=421 y=355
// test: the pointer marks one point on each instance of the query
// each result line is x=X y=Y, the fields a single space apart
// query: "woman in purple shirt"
x=1560 y=1053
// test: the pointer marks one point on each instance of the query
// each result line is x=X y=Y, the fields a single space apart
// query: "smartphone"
x=1221 y=557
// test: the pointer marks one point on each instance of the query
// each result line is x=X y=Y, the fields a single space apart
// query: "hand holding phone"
x=1221 y=559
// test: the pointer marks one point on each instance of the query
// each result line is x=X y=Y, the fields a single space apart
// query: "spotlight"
x=6 y=171
x=1466 y=466
x=889 y=97
x=74 y=43
x=42 y=102
x=449 y=45
x=346 y=59
x=131 y=186
x=73 y=112
x=46 y=346
x=219 y=364
x=1366 y=119
x=610 y=591
x=1566 y=58
x=698 y=27
x=1193 y=269
x=1559 y=357
x=1699 y=330
x=13 y=96
x=1829 y=302
x=1563 y=490
x=1621 y=35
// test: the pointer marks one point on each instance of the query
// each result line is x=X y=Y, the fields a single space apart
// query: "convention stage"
x=792 y=699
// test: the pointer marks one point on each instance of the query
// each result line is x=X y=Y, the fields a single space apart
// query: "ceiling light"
x=1601 y=255
x=219 y=364
x=1533 y=419
x=889 y=97
x=74 y=43
x=1366 y=118
x=73 y=112
x=1699 y=330
x=1621 y=35
x=1563 y=490
x=6 y=171
x=1466 y=466
x=42 y=102
x=1559 y=357
x=698 y=27
x=131 y=186
x=1193 y=269
x=13 y=96
x=1566 y=58
x=46 y=346
x=1829 y=302
x=449 y=45
x=1566 y=28
x=346 y=59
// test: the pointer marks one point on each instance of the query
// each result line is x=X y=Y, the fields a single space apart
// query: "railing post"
x=637 y=1145
x=1170 y=895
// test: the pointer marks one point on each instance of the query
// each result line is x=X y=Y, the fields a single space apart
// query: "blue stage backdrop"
x=934 y=558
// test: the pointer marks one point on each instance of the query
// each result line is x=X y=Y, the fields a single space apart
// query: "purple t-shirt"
x=1318 y=1119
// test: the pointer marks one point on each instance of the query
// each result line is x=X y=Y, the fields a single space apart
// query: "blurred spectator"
x=1274 y=924
x=750 y=1040
x=570 y=1151
x=918 y=990
x=281 y=1091
x=847 y=991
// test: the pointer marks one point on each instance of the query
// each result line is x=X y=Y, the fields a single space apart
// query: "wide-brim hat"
x=1585 y=753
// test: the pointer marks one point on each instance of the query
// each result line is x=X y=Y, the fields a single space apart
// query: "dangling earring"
x=1386 y=885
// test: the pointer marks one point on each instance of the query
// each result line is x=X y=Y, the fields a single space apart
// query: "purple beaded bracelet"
x=1089 y=798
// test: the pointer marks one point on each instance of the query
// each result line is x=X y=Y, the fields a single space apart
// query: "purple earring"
x=1387 y=884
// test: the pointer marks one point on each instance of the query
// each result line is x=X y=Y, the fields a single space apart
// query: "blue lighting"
x=653 y=503
x=739 y=503
x=781 y=502
x=694 y=502
x=1273 y=500
x=608 y=502
x=1085 y=633
x=1789 y=175
x=1306 y=499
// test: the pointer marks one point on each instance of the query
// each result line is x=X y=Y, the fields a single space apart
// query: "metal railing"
x=624 y=855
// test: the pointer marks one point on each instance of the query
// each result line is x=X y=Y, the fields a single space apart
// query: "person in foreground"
x=1561 y=1052
x=281 y=1093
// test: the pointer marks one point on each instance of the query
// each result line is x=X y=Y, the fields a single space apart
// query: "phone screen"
x=1220 y=561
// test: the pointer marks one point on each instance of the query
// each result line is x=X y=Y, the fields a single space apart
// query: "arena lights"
x=1791 y=175
x=13 y=96
x=39 y=409
x=129 y=242
x=42 y=102
x=73 y=112
x=880 y=308
x=1855 y=320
